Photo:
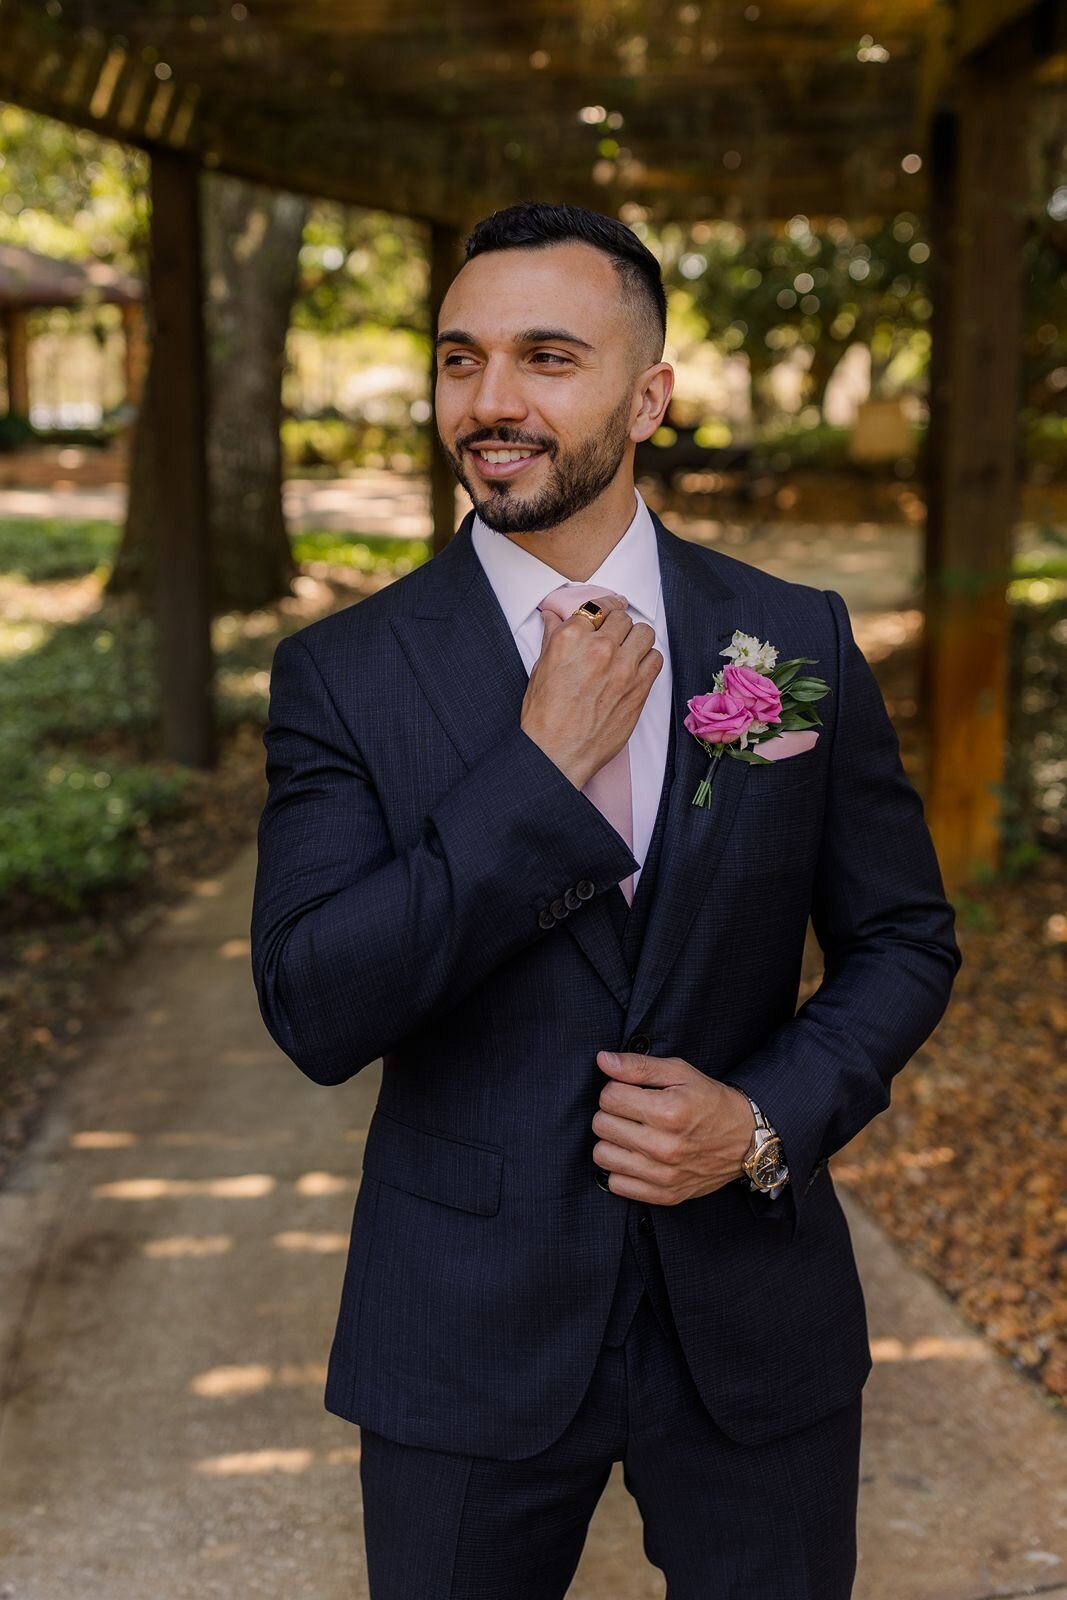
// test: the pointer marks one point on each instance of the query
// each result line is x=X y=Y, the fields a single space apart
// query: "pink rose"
x=752 y=689
x=718 y=718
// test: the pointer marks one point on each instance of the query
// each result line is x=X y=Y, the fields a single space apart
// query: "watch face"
x=767 y=1167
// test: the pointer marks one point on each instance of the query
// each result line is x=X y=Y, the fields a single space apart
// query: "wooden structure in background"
x=30 y=281
x=656 y=111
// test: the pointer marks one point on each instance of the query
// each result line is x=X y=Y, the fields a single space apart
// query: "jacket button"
x=644 y=1223
x=559 y=910
x=638 y=1042
x=571 y=899
x=545 y=919
x=585 y=889
x=602 y=1176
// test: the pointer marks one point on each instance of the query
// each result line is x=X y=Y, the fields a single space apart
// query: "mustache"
x=503 y=442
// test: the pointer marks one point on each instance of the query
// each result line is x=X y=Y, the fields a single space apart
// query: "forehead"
x=568 y=285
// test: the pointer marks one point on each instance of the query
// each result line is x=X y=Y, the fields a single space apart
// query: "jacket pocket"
x=454 y=1172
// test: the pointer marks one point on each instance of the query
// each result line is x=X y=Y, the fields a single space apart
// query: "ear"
x=657 y=386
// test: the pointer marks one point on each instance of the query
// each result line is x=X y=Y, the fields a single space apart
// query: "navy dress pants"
x=722 y=1520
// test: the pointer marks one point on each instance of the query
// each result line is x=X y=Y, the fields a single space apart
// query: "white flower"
x=752 y=732
x=747 y=651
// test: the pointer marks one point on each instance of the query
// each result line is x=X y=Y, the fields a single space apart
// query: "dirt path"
x=172 y=1250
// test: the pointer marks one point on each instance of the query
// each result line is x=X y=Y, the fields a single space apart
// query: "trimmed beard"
x=575 y=480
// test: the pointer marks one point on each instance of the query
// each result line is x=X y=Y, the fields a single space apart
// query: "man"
x=480 y=860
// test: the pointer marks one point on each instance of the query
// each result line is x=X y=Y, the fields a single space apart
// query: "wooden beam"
x=17 y=359
x=178 y=398
x=980 y=22
x=446 y=258
x=978 y=207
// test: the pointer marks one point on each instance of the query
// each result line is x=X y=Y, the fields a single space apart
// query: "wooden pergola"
x=447 y=109
x=30 y=281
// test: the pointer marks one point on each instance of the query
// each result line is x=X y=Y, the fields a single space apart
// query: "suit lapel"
x=462 y=651
x=702 y=614
x=468 y=665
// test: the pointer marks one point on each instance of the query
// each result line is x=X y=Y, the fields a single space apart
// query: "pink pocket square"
x=787 y=744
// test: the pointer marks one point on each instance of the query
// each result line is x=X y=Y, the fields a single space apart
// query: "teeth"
x=496 y=456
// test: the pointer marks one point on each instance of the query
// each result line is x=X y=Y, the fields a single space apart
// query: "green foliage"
x=79 y=708
x=41 y=550
x=71 y=827
x=16 y=431
x=367 y=552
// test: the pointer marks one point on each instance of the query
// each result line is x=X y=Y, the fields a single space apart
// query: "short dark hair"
x=534 y=224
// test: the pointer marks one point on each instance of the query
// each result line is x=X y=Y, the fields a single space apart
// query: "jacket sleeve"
x=355 y=944
x=887 y=934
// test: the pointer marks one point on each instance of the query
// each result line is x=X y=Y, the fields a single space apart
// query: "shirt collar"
x=521 y=580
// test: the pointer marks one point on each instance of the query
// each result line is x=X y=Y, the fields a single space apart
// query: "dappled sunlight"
x=222 y=1383
x=249 y=1186
x=314 y=1243
x=235 y=949
x=932 y=1347
x=187 y=1246
x=101 y=1139
x=320 y=1183
x=209 y=1139
x=248 y=1463
x=243 y=1463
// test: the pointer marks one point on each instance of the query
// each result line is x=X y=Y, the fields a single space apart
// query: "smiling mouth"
x=503 y=463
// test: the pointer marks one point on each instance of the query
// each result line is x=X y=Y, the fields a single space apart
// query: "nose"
x=497 y=394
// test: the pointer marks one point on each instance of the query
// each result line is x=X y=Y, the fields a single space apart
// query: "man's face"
x=536 y=352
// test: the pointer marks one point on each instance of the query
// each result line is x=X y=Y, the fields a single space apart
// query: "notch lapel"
x=468 y=665
x=702 y=614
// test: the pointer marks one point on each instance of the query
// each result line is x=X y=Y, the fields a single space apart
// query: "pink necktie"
x=609 y=789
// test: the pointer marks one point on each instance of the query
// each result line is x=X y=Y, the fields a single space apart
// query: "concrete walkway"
x=171 y=1259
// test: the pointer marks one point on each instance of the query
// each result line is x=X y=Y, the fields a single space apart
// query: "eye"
x=553 y=355
x=455 y=356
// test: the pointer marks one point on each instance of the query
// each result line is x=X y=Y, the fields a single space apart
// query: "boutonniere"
x=755 y=699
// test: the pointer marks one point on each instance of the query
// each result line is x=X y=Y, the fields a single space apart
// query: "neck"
x=578 y=546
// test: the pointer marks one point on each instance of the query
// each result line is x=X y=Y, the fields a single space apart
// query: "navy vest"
x=640 y=1270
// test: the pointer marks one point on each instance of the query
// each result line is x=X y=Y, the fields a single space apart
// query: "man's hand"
x=588 y=687
x=667 y=1131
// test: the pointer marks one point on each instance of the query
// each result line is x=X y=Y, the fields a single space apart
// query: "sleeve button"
x=571 y=899
x=585 y=889
x=559 y=910
x=545 y=919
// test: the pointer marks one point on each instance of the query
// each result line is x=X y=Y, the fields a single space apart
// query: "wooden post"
x=178 y=399
x=134 y=357
x=977 y=202
x=16 y=356
x=446 y=258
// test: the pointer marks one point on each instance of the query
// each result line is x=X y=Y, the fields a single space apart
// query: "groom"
x=596 y=1221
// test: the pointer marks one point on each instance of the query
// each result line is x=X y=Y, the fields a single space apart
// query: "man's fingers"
x=649 y=1142
x=632 y=1164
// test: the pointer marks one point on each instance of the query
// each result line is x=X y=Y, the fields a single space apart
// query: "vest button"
x=585 y=889
x=644 y=1223
x=638 y=1042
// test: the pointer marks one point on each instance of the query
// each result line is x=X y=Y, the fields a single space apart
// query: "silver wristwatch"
x=765 y=1161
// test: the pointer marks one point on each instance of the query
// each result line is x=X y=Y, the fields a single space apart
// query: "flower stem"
x=703 y=794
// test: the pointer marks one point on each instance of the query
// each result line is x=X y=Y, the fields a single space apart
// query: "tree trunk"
x=252 y=239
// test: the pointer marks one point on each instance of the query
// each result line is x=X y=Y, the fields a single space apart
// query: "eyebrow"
x=527 y=336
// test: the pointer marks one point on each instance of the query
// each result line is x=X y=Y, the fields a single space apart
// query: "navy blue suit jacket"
x=412 y=839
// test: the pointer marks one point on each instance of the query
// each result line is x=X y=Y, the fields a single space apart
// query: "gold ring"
x=596 y=613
